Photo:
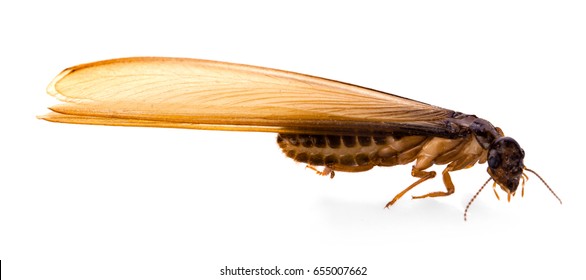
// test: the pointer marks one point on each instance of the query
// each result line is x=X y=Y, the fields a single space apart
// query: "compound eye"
x=494 y=161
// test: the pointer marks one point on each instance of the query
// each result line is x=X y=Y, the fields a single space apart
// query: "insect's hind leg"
x=422 y=175
x=447 y=182
x=325 y=172
x=329 y=169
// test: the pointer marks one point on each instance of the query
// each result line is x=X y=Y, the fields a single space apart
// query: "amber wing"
x=201 y=94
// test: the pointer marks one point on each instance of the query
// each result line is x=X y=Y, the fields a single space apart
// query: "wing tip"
x=51 y=117
x=52 y=87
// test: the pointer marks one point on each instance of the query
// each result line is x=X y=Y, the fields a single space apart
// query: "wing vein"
x=158 y=91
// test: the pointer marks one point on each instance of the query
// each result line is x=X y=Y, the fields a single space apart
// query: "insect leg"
x=329 y=169
x=447 y=182
x=325 y=172
x=422 y=175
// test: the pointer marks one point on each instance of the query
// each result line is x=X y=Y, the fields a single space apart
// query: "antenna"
x=548 y=187
x=474 y=197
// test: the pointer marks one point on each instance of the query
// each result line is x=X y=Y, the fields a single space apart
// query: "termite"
x=320 y=122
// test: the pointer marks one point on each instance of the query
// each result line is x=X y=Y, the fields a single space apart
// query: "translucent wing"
x=201 y=94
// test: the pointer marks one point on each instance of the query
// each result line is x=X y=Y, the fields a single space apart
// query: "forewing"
x=191 y=93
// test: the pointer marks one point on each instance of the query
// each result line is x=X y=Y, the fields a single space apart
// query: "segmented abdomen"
x=350 y=150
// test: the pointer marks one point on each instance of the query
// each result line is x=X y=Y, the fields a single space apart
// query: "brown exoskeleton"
x=320 y=122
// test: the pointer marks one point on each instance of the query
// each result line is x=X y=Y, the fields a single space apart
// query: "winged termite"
x=320 y=122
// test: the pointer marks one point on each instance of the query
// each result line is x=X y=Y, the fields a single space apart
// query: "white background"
x=90 y=202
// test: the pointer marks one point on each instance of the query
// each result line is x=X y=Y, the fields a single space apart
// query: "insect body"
x=353 y=153
x=320 y=122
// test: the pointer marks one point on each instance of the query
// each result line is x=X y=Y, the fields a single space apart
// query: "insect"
x=321 y=122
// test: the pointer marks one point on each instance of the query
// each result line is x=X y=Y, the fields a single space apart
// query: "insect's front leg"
x=447 y=182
